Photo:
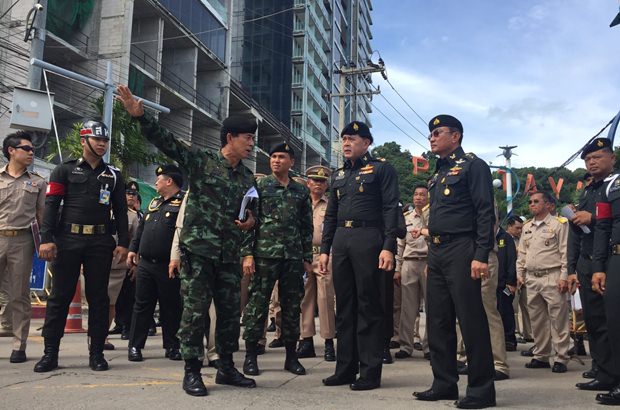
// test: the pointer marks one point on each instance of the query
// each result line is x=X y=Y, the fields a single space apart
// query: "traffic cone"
x=74 y=318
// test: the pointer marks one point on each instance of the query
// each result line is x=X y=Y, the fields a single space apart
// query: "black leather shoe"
x=18 y=356
x=108 y=346
x=462 y=370
x=116 y=330
x=559 y=368
x=260 y=349
x=152 y=331
x=272 y=325
x=334 y=380
x=499 y=376
x=511 y=347
x=590 y=374
x=474 y=403
x=537 y=364
x=192 y=381
x=275 y=343
x=134 y=354
x=250 y=366
x=291 y=363
x=173 y=354
x=330 y=352
x=594 y=385
x=125 y=336
x=394 y=344
x=364 y=384
x=611 y=399
x=432 y=395
x=306 y=349
x=527 y=353
x=386 y=358
x=417 y=346
x=401 y=354
x=49 y=361
x=227 y=374
x=97 y=362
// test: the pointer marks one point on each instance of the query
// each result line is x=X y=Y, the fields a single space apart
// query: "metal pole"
x=38 y=44
x=108 y=107
x=341 y=105
x=508 y=188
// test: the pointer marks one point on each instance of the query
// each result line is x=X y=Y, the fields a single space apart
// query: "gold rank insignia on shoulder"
x=146 y=218
x=175 y=202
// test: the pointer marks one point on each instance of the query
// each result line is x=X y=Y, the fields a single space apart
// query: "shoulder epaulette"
x=471 y=155
x=71 y=160
x=113 y=168
x=561 y=219
x=35 y=173
x=407 y=213
x=426 y=207
x=611 y=177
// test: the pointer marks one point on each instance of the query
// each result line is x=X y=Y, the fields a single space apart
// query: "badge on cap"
x=320 y=172
x=436 y=121
x=356 y=127
x=159 y=170
x=600 y=143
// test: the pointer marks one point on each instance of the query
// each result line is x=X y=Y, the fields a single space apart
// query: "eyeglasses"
x=534 y=201
x=437 y=133
x=26 y=148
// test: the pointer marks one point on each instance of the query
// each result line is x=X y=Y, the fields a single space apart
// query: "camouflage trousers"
x=202 y=280
x=289 y=274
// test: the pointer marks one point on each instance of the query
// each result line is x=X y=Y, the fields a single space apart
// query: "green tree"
x=128 y=144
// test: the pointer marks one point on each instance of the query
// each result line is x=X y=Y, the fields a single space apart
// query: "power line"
x=405 y=118
x=394 y=124
x=405 y=101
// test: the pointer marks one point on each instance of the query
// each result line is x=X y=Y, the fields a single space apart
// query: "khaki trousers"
x=211 y=353
x=16 y=255
x=319 y=291
x=550 y=317
x=5 y=314
x=412 y=291
x=496 y=327
x=522 y=315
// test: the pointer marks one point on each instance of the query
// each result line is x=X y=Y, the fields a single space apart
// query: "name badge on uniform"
x=104 y=196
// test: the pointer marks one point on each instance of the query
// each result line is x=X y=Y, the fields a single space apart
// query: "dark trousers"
x=124 y=304
x=153 y=283
x=452 y=294
x=595 y=318
x=360 y=290
x=388 y=307
x=507 y=312
x=612 y=308
x=94 y=254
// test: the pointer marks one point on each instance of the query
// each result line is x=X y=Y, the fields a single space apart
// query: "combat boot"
x=306 y=348
x=192 y=381
x=49 y=361
x=250 y=365
x=227 y=374
x=330 y=352
x=291 y=363
x=96 y=361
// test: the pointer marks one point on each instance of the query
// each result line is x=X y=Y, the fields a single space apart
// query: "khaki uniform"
x=410 y=262
x=319 y=288
x=542 y=262
x=519 y=304
x=21 y=199
x=119 y=270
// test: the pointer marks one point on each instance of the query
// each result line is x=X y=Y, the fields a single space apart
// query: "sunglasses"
x=437 y=133
x=534 y=201
x=26 y=148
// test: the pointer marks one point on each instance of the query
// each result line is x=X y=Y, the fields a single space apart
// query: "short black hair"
x=452 y=129
x=547 y=197
x=420 y=186
x=513 y=220
x=13 y=140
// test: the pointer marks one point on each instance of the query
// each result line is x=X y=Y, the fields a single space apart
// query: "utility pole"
x=37 y=37
x=507 y=153
x=342 y=94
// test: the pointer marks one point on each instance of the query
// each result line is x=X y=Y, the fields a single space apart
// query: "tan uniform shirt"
x=318 y=215
x=544 y=246
x=175 y=251
x=410 y=247
x=132 y=223
x=20 y=199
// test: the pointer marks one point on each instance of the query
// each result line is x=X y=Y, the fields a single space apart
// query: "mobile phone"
x=507 y=291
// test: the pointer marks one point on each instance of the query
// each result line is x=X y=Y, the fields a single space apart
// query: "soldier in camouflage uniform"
x=282 y=246
x=210 y=239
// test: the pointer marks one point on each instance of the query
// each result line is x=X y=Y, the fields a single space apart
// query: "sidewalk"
x=156 y=383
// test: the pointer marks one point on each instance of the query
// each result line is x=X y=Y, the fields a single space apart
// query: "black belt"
x=359 y=224
x=445 y=238
x=154 y=260
x=85 y=229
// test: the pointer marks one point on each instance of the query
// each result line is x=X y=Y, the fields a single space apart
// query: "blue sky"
x=543 y=75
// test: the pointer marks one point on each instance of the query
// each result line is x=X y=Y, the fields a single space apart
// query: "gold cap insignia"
x=600 y=143
x=355 y=126
x=286 y=147
x=321 y=172
x=436 y=121
x=159 y=170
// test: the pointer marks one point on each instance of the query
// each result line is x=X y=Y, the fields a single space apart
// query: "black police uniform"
x=461 y=227
x=361 y=220
x=83 y=236
x=607 y=259
x=507 y=275
x=152 y=242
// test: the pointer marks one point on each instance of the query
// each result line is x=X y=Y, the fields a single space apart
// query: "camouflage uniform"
x=210 y=241
x=280 y=243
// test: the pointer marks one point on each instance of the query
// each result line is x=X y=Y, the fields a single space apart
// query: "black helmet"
x=95 y=129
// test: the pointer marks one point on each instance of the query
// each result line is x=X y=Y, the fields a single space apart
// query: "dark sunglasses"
x=26 y=148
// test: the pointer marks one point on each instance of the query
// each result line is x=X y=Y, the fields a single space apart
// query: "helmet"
x=95 y=129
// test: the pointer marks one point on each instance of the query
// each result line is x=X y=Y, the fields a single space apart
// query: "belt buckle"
x=436 y=239
x=75 y=228
x=88 y=229
x=616 y=249
x=348 y=224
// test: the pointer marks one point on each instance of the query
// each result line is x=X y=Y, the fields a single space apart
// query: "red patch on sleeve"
x=603 y=210
x=55 y=189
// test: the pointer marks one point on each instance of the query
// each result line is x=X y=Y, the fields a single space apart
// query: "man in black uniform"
x=361 y=223
x=461 y=227
x=88 y=188
x=599 y=159
x=150 y=252
x=507 y=285
x=606 y=276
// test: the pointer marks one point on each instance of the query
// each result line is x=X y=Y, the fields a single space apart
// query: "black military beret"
x=595 y=145
x=283 y=147
x=171 y=171
x=240 y=124
x=132 y=187
x=444 y=120
x=357 y=128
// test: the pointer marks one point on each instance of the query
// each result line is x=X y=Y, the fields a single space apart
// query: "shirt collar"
x=361 y=161
x=451 y=159
x=5 y=169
